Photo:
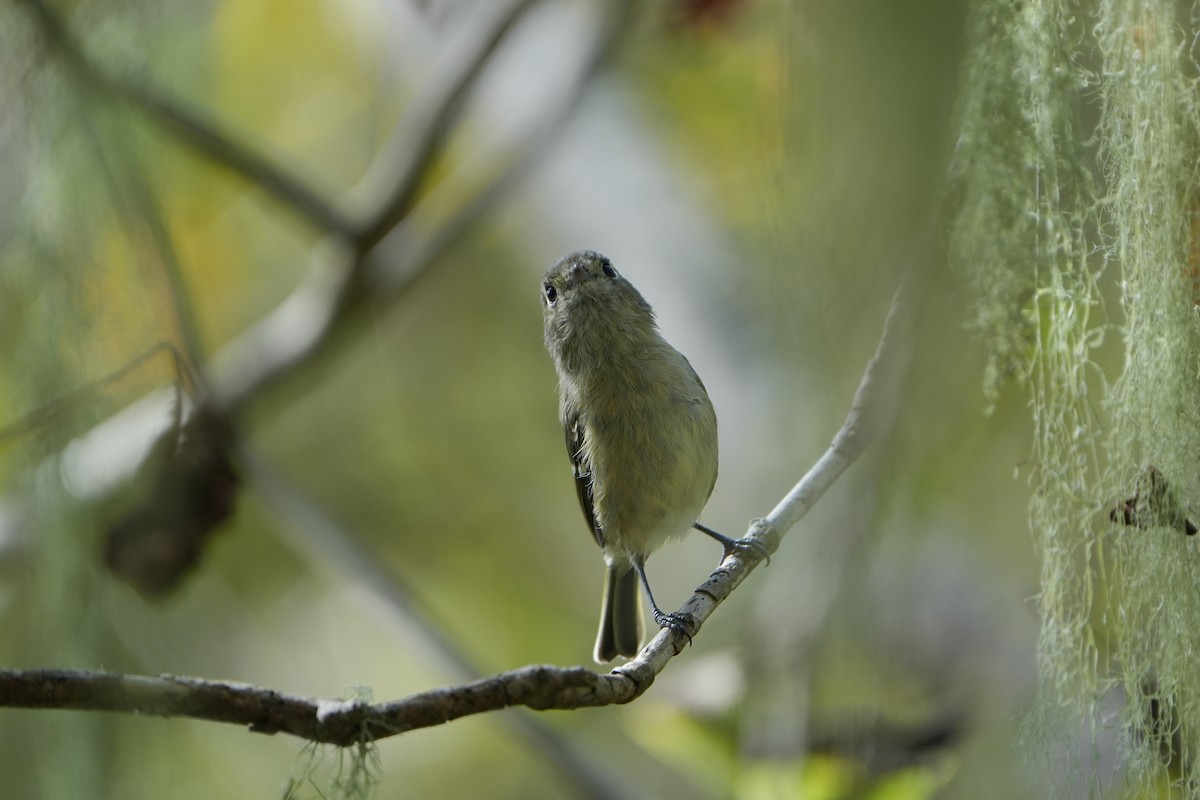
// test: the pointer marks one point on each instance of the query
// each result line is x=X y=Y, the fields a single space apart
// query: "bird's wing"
x=573 y=434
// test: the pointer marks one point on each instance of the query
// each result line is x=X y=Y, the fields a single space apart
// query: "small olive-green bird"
x=640 y=431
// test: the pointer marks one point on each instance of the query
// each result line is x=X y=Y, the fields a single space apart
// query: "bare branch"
x=537 y=687
x=329 y=721
x=860 y=428
x=390 y=187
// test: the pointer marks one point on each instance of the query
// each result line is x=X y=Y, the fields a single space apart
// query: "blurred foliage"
x=812 y=141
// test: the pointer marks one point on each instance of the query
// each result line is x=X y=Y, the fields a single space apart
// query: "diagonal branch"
x=863 y=422
x=389 y=190
x=391 y=185
x=537 y=687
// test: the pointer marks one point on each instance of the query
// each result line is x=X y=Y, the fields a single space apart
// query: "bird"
x=640 y=431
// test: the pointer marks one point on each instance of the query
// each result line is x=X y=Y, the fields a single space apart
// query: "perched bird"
x=640 y=431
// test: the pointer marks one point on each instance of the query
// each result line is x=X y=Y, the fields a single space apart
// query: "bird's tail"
x=620 y=615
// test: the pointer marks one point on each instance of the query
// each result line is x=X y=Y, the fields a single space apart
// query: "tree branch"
x=342 y=274
x=391 y=185
x=337 y=722
x=860 y=428
x=537 y=687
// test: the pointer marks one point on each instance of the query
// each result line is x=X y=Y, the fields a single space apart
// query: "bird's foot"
x=680 y=623
x=749 y=546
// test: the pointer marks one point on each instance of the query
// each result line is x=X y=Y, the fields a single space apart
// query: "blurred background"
x=763 y=170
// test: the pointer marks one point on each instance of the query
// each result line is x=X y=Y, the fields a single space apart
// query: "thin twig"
x=861 y=425
x=537 y=687
x=136 y=196
x=54 y=410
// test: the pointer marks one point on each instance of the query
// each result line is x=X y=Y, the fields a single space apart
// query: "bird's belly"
x=642 y=511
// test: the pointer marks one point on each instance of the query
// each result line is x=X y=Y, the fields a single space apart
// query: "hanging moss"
x=1148 y=149
x=1042 y=240
x=1017 y=174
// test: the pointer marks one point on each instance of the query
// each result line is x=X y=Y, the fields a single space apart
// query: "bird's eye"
x=608 y=270
x=551 y=292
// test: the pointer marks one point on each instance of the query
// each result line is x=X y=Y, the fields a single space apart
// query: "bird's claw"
x=679 y=623
x=748 y=546
x=751 y=547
